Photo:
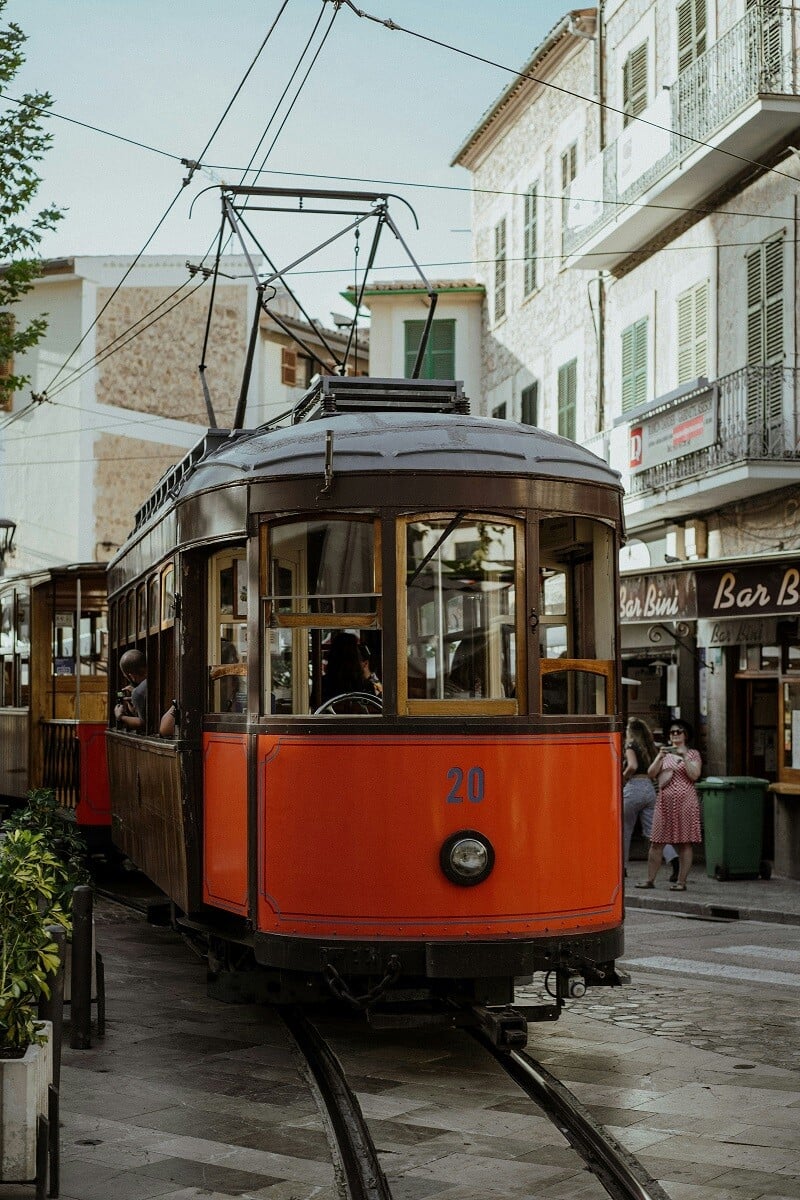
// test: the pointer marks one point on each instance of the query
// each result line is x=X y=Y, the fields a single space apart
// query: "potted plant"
x=30 y=876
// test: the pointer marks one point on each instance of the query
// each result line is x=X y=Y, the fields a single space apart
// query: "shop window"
x=461 y=580
x=576 y=638
x=322 y=617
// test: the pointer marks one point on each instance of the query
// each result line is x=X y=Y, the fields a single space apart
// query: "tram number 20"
x=469 y=784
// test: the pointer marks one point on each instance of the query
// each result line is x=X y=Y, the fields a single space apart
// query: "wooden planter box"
x=24 y=1084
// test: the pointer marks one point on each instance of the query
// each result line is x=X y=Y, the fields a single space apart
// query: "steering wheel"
x=358 y=702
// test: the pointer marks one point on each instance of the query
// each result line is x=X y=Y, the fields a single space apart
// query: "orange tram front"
x=390 y=633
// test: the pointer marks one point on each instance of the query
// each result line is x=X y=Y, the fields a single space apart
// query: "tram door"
x=756 y=746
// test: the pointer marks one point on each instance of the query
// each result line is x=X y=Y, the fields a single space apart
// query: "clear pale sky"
x=378 y=105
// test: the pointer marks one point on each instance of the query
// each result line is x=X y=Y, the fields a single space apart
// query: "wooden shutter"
x=691 y=32
x=288 y=367
x=530 y=404
x=569 y=165
x=693 y=333
x=634 y=365
x=634 y=82
x=567 y=396
x=500 y=270
x=440 y=358
x=531 y=197
x=765 y=335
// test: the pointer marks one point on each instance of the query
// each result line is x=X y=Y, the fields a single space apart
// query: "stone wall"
x=156 y=372
x=125 y=471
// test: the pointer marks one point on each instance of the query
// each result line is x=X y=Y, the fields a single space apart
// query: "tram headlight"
x=467 y=857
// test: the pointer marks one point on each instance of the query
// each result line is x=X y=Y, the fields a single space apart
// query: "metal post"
x=81 y=979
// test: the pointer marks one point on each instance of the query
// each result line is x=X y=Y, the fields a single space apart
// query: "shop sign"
x=673 y=434
x=751 y=591
x=658 y=597
x=741 y=632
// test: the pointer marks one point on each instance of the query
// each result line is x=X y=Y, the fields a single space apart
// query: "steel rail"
x=359 y=1158
x=621 y=1174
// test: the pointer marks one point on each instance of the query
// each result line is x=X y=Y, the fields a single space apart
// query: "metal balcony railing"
x=756 y=421
x=755 y=57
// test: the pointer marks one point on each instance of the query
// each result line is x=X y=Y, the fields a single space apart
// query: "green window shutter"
x=693 y=333
x=500 y=270
x=567 y=397
x=634 y=82
x=691 y=32
x=634 y=365
x=765 y=334
x=531 y=197
x=530 y=404
x=440 y=354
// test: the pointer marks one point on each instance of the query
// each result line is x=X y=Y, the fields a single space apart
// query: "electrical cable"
x=388 y=23
x=173 y=202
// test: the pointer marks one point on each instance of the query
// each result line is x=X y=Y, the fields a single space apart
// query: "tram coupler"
x=506 y=1027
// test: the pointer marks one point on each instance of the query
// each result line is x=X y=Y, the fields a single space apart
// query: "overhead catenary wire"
x=394 y=27
x=185 y=182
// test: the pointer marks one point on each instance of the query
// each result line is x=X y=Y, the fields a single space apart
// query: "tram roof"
x=394 y=442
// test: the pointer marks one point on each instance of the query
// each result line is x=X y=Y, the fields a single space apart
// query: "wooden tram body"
x=54 y=690
x=460 y=831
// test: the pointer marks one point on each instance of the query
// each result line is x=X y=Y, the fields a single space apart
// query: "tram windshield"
x=322 y=613
x=461 y=588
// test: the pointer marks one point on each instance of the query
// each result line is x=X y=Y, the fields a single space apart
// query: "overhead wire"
x=185 y=182
x=393 y=26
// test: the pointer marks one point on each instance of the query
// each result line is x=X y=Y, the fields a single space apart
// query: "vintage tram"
x=53 y=690
x=436 y=835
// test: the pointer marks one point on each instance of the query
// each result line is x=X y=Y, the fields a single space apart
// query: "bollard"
x=80 y=1037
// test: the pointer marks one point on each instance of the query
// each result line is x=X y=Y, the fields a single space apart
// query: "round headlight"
x=467 y=857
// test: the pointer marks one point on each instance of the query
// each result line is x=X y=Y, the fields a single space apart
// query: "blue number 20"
x=475 y=785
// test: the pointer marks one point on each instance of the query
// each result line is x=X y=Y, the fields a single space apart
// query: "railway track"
x=618 y=1171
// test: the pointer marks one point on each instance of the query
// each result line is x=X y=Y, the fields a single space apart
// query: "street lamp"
x=7 y=531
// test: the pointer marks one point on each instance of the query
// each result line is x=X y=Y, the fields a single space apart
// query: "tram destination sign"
x=680 y=430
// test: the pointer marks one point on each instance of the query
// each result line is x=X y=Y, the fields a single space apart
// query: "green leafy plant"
x=29 y=875
x=42 y=860
x=61 y=836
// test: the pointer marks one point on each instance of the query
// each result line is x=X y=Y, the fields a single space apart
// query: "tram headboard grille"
x=176 y=474
x=336 y=394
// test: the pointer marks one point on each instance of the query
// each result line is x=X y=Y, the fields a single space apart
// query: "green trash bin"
x=733 y=815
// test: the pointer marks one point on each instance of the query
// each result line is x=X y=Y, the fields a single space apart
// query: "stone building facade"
x=660 y=258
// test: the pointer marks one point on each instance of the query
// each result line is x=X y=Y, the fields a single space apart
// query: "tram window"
x=227 y=633
x=93 y=644
x=321 y=603
x=131 y=616
x=168 y=596
x=576 y=625
x=461 y=575
x=64 y=644
x=154 y=602
x=141 y=611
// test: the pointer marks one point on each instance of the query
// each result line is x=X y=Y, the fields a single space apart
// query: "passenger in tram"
x=344 y=670
x=367 y=671
x=131 y=710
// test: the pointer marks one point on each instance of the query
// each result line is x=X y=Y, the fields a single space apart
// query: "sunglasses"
x=673 y=732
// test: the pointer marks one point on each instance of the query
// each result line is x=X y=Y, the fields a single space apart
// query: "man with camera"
x=131 y=708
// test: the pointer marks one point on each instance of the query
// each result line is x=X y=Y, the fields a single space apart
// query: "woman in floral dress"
x=677 y=815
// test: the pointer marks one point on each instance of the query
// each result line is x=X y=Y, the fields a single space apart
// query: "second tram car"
x=433 y=835
x=53 y=690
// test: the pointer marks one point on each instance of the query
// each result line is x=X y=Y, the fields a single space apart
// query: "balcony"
x=710 y=445
x=741 y=96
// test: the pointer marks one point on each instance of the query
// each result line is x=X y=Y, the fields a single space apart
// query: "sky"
x=378 y=105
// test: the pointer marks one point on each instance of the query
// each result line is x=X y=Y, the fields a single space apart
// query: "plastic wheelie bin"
x=733 y=813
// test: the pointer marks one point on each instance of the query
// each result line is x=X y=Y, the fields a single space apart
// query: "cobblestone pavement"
x=188 y=1098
